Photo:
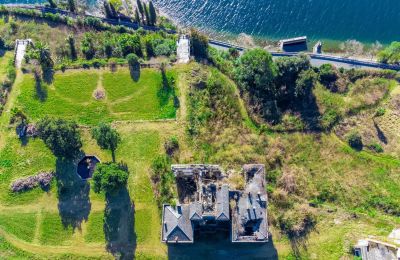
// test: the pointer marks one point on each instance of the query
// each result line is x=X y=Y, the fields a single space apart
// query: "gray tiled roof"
x=177 y=225
x=195 y=211
x=223 y=203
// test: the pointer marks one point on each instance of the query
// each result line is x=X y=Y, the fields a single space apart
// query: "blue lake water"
x=364 y=20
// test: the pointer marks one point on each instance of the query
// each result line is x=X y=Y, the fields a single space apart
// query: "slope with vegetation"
x=332 y=178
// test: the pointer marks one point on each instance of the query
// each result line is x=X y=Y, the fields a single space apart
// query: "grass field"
x=71 y=96
x=44 y=225
x=5 y=57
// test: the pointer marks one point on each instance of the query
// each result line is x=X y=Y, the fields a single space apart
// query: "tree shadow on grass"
x=73 y=194
x=219 y=246
x=40 y=89
x=299 y=242
x=48 y=75
x=119 y=217
x=166 y=90
x=381 y=135
x=135 y=73
x=309 y=112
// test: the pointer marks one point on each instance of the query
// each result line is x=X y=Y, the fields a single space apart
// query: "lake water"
x=364 y=20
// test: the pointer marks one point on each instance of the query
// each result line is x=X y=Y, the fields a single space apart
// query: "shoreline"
x=330 y=46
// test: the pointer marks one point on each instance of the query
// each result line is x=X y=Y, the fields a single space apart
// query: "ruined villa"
x=207 y=205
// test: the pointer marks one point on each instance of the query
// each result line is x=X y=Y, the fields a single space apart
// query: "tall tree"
x=109 y=178
x=137 y=16
x=152 y=13
x=72 y=49
x=72 y=6
x=107 y=138
x=52 y=4
x=147 y=14
x=140 y=8
x=87 y=46
x=109 y=9
x=199 y=44
x=61 y=136
x=256 y=72
x=43 y=54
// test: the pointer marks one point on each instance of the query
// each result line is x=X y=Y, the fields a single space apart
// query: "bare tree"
x=352 y=48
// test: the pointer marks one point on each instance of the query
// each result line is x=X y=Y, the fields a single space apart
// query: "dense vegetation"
x=328 y=137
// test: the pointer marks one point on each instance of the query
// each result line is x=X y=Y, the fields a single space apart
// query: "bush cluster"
x=163 y=180
x=42 y=179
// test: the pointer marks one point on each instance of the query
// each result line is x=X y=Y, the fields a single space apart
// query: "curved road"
x=316 y=59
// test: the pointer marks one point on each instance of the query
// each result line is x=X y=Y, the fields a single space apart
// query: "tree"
x=61 y=136
x=130 y=43
x=256 y=72
x=147 y=14
x=52 y=4
x=87 y=46
x=137 y=16
x=2 y=43
x=133 y=61
x=199 y=44
x=328 y=75
x=109 y=178
x=152 y=14
x=43 y=55
x=107 y=138
x=109 y=9
x=139 y=6
x=72 y=6
x=305 y=83
x=355 y=140
x=391 y=54
x=288 y=71
x=72 y=50
x=352 y=47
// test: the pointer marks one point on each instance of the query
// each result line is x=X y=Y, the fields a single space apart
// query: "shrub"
x=380 y=111
x=376 y=147
x=328 y=75
x=368 y=92
x=297 y=222
x=42 y=179
x=354 y=139
x=171 y=145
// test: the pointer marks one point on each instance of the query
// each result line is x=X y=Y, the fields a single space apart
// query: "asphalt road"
x=317 y=59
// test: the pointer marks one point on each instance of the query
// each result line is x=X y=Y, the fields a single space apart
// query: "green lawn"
x=71 y=96
x=52 y=231
x=4 y=62
x=17 y=161
x=21 y=225
x=94 y=231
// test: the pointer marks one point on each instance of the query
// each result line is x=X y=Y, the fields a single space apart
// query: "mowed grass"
x=4 y=59
x=70 y=96
x=19 y=161
x=94 y=230
x=21 y=225
x=53 y=232
x=139 y=100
